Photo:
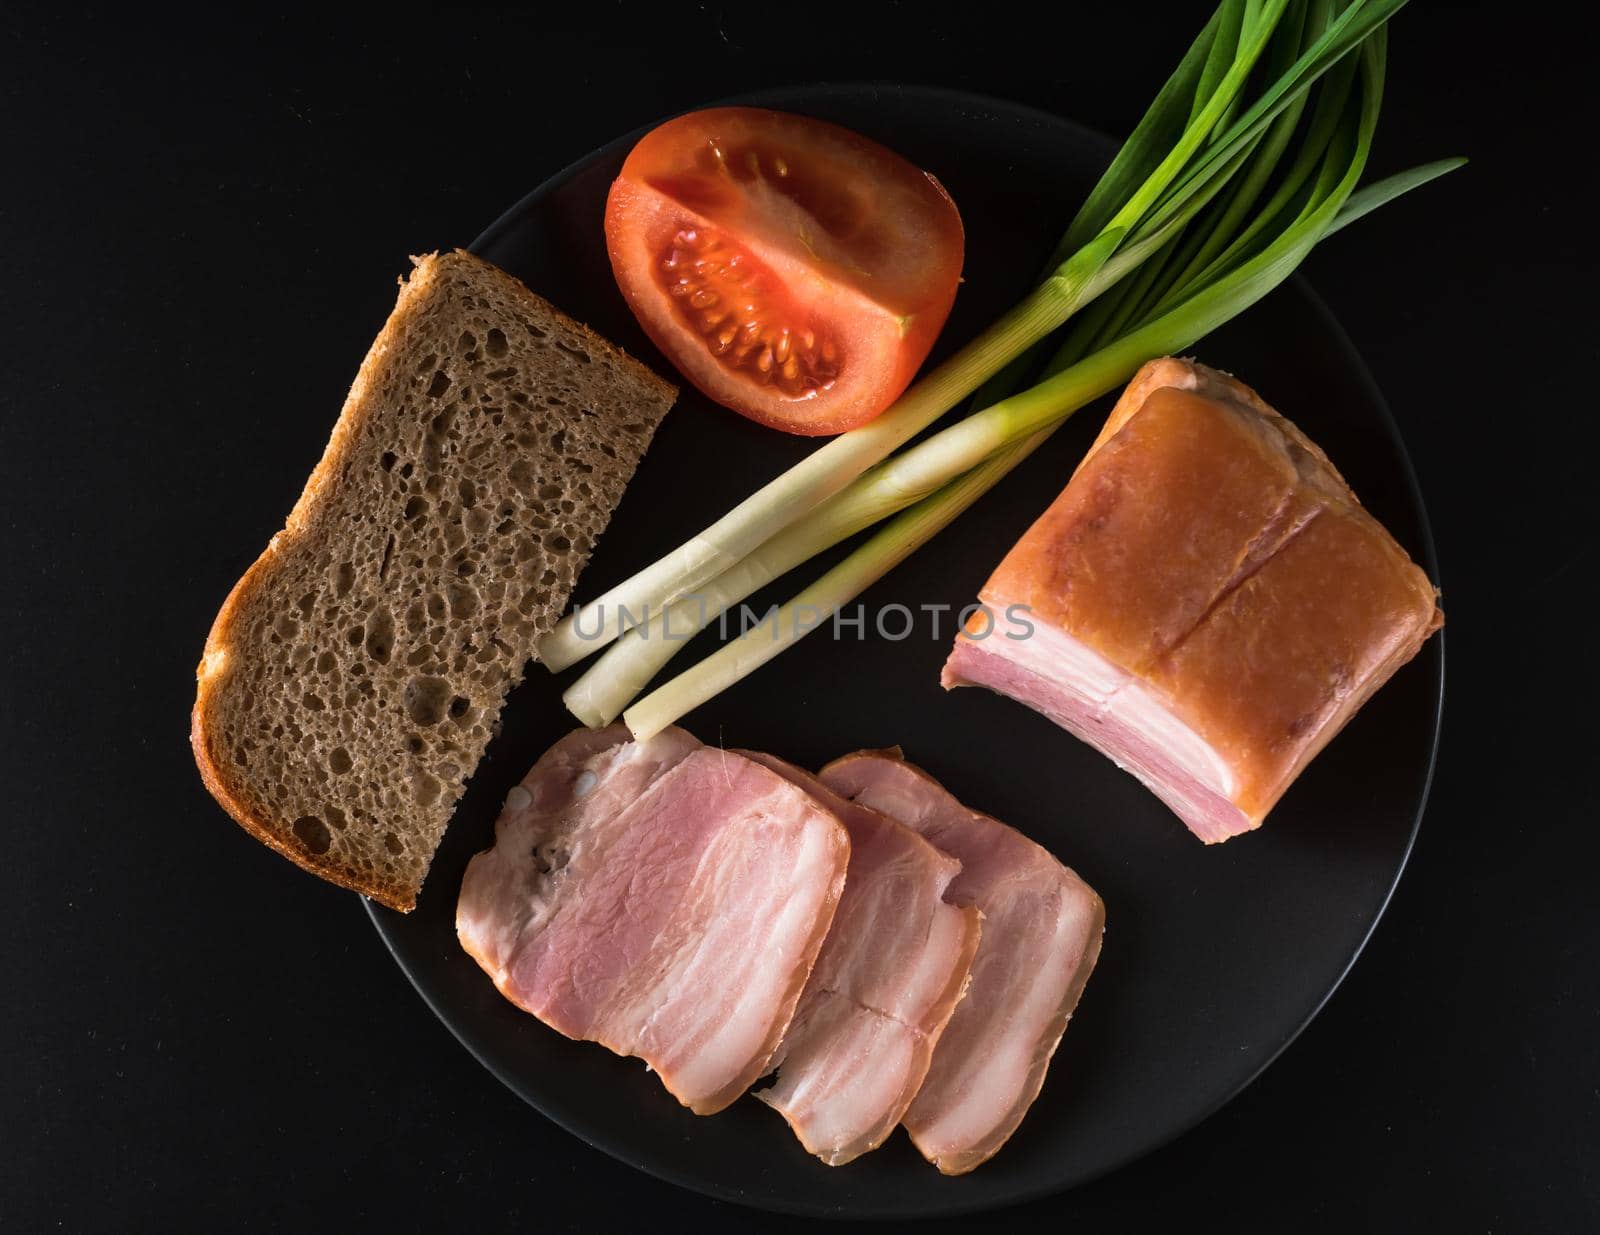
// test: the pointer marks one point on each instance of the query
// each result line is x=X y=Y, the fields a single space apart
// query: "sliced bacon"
x=885 y=984
x=662 y=898
x=1207 y=603
x=1042 y=927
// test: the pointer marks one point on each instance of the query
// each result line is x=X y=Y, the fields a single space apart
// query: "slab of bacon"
x=1209 y=602
x=885 y=984
x=662 y=898
x=1042 y=927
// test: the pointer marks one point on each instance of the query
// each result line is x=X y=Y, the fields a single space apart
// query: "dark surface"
x=202 y=227
x=1215 y=957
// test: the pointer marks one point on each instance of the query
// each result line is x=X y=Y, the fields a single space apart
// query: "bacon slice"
x=662 y=898
x=889 y=976
x=1041 y=937
x=1209 y=602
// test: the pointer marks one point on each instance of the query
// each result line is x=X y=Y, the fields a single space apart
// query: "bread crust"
x=218 y=772
x=252 y=816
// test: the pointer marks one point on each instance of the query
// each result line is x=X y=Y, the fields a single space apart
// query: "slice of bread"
x=356 y=672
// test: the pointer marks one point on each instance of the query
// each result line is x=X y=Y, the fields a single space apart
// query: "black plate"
x=1215 y=958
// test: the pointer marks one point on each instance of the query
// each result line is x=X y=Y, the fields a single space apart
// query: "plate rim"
x=1426 y=549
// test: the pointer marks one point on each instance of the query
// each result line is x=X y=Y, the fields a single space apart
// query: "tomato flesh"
x=792 y=270
x=749 y=321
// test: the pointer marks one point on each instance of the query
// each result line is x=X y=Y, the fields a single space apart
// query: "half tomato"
x=791 y=269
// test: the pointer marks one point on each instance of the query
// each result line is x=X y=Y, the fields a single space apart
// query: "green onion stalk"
x=1190 y=143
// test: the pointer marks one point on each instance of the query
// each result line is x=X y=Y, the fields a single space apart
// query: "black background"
x=202 y=223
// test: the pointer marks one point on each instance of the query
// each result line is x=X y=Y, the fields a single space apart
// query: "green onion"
x=970 y=457
x=1162 y=170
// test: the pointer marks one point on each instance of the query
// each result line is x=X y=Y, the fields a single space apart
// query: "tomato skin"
x=792 y=270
